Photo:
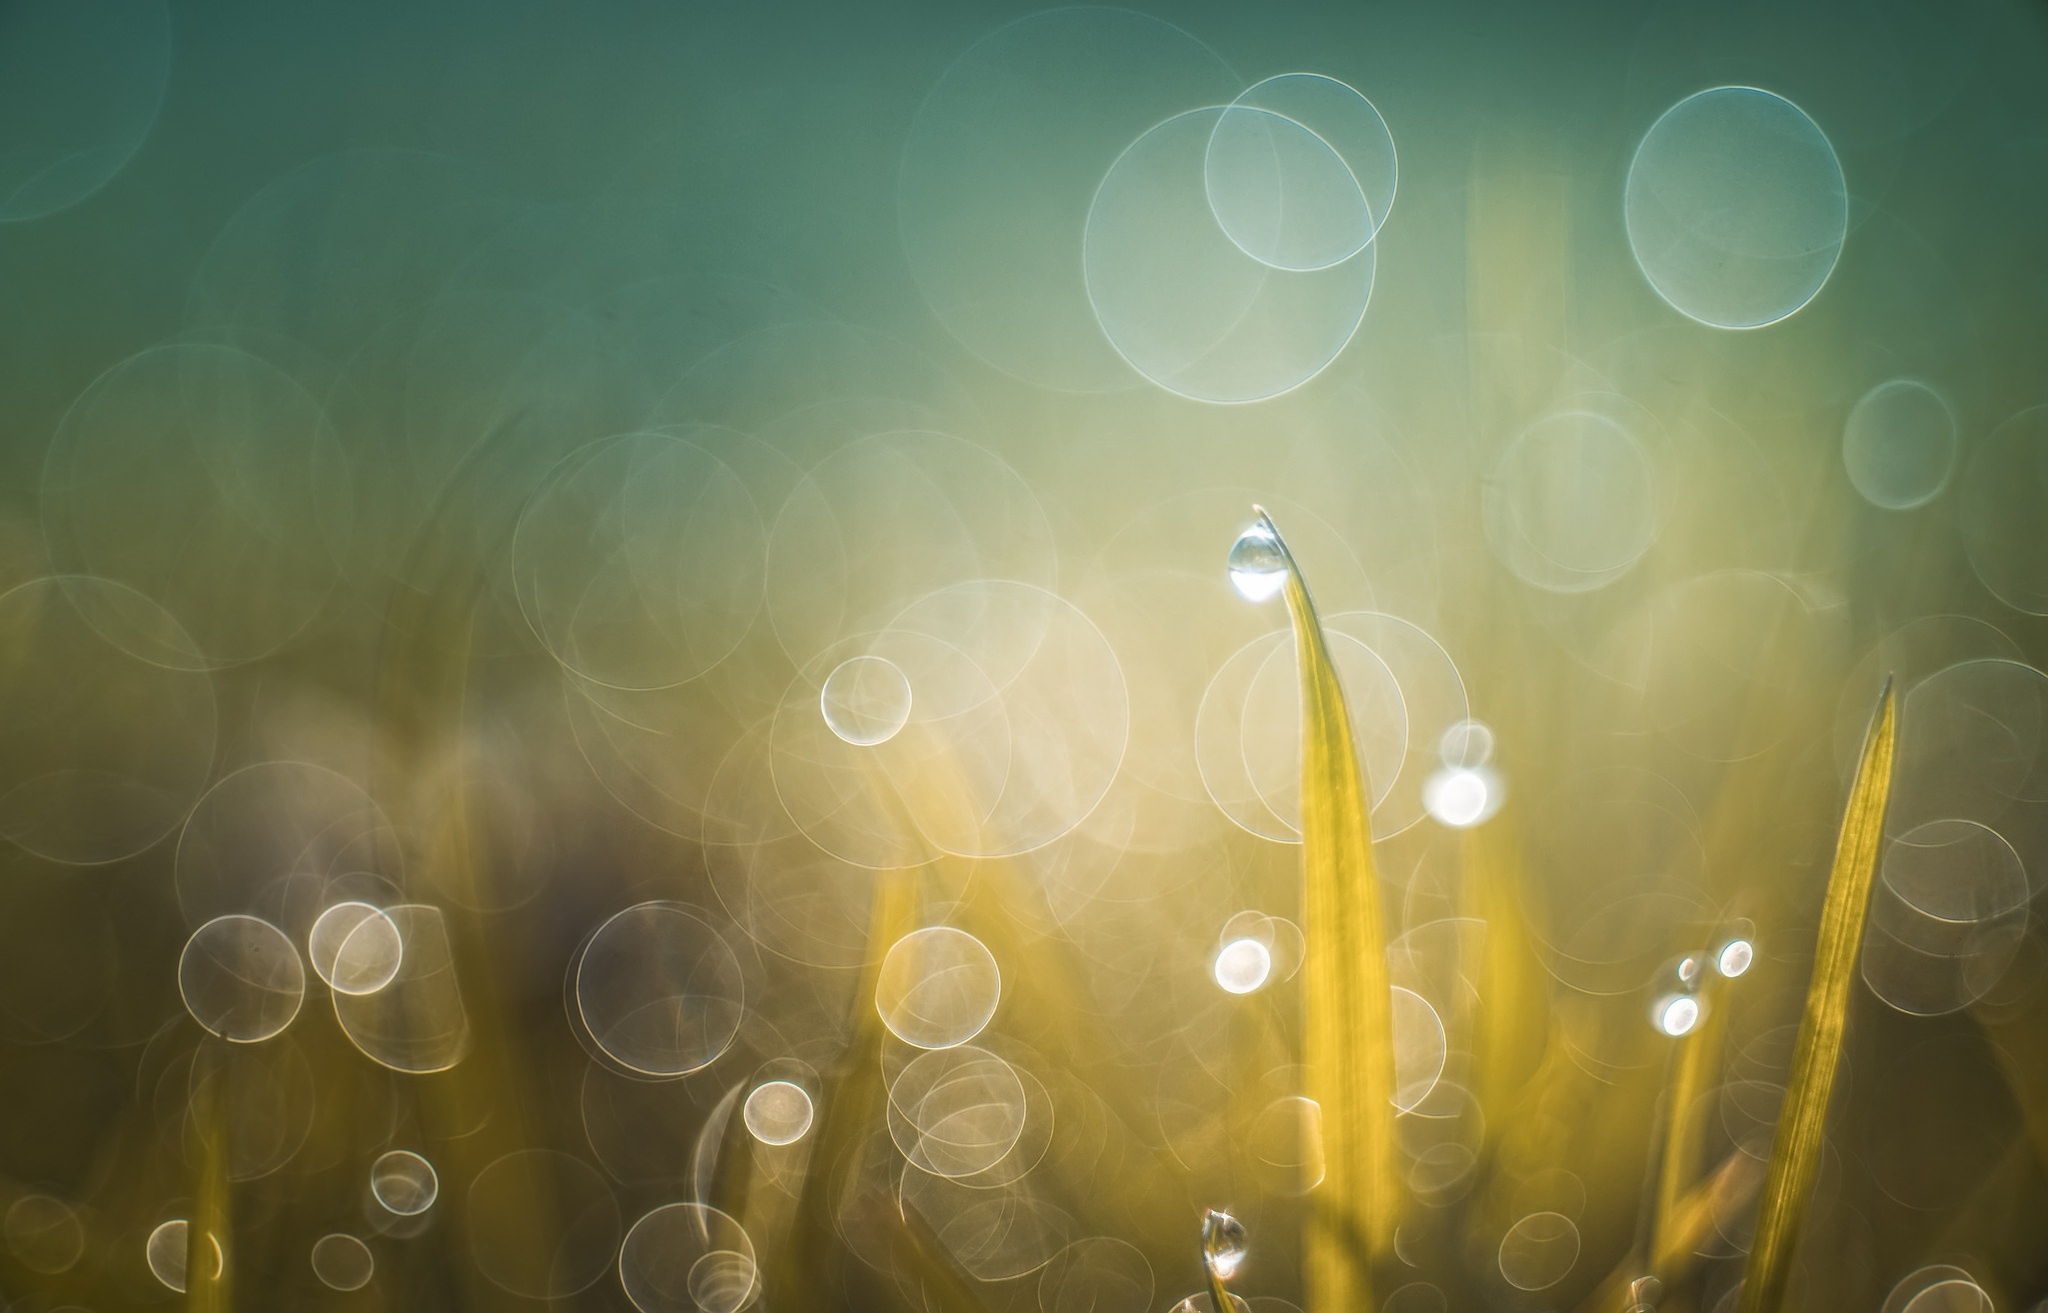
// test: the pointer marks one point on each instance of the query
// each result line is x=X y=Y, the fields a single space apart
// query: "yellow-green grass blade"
x=1348 y=1038
x=1796 y=1148
x=209 y=1248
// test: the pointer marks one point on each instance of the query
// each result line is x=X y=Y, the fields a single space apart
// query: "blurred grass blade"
x=208 y=1247
x=1348 y=1042
x=1685 y=1112
x=1795 y=1151
x=851 y=1107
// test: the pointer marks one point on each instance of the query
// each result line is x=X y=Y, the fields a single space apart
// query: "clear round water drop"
x=866 y=700
x=1242 y=965
x=1461 y=797
x=1258 y=564
x=1224 y=1244
x=1735 y=958
x=1676 y=1014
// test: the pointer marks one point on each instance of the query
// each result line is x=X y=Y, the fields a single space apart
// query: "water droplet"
x=1242 y=965
x=1223 y=1244
x=1258 y=564
x=1460 y=797
x=1676 y=1014
x=1735 y=957
x=866 y=700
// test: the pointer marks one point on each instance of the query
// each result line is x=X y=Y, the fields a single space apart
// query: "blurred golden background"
x=619 y=687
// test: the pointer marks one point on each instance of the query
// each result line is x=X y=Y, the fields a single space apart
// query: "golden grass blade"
x=1685 y=1112
x=1795 y=1151
x=851 y=1107
x=209 y=1250
x=1348 y=1039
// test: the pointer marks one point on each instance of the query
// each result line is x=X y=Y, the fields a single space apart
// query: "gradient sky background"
x=327 y=574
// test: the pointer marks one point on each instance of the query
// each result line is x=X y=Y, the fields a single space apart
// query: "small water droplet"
x=1258 y=565
x=1242 y=965
x=1676 y=1014
x=1736 y=956
x=1223 y=1244
x=1461 y=797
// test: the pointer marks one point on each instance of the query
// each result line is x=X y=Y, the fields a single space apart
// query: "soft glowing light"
x=1242 y=965
x=1258 y=566
x=404 y=1182
x=938 y=987
x=1461 y=797
x=778 y=1112
x=1689 y=972
x=1677 y=1014
x=866 y=700
x=343 y=1262
x=354 y=948
x=1735 y=957
x=165 y=1253
x=1224 y=1244
x=1468 y=743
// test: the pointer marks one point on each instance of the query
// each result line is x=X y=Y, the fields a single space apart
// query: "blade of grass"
x=1796 y=1148
x=1348 y=1039
x=851 y=1106
x=209 y=1251
x=1685 y=1112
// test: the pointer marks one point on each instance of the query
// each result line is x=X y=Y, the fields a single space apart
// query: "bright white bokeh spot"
x=1242 y=965
x=1258 y=565
x=688 y=1258
x=659 y=990
x=1736 y=207
x=1677 y=1014
x=1282 y=194
x=355 y=948
x=1183 y=303
x=1302 y=198
x=957 y=1112
x=778 y=1112
x=866 y=700
x=1461 y=797
x=404 y=1182
x=1736 y=957
x=241 y=978
x=937 y=988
